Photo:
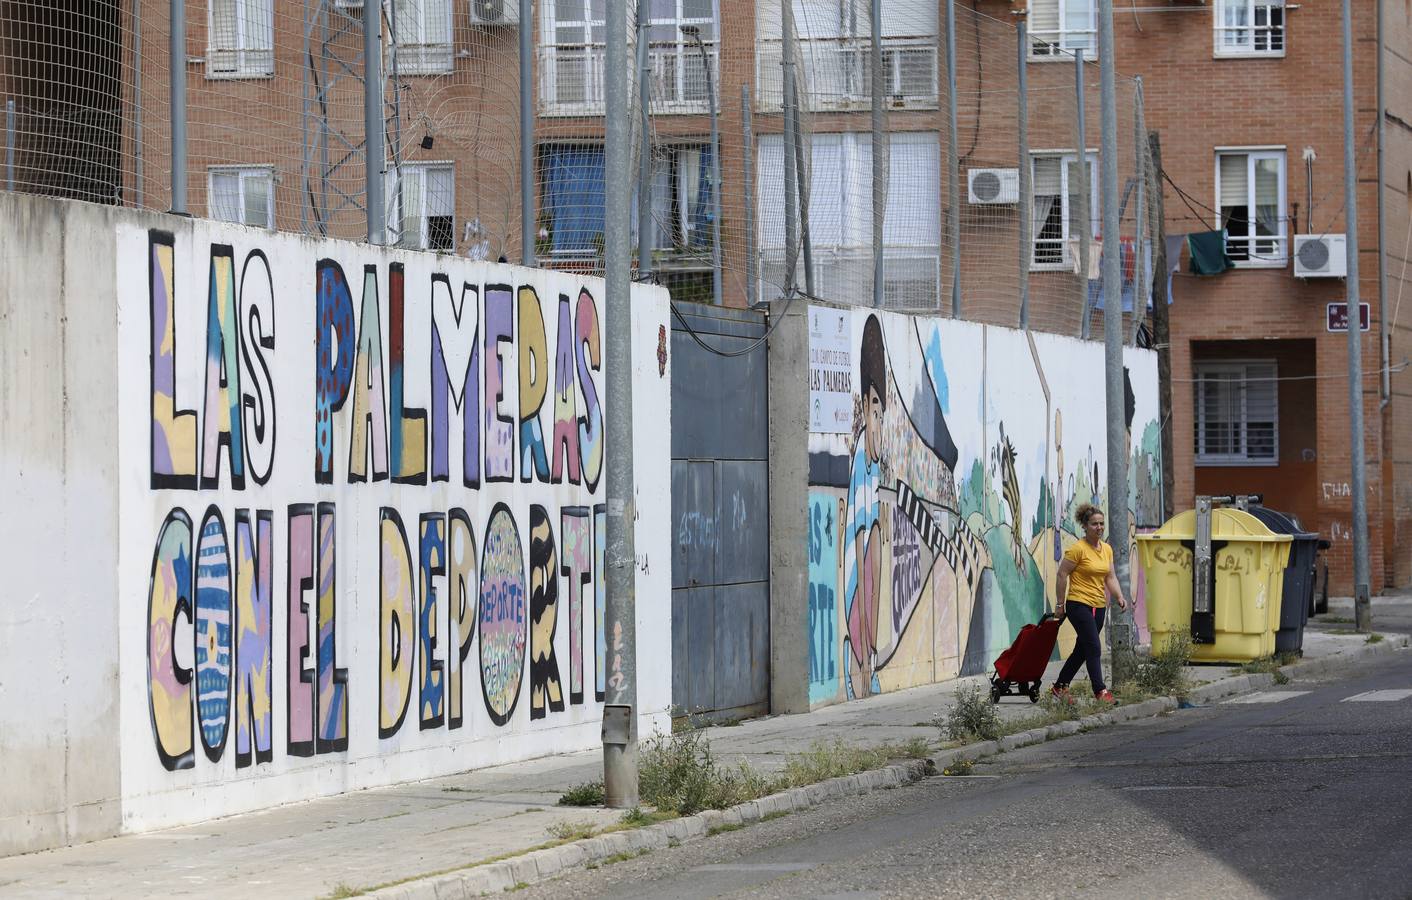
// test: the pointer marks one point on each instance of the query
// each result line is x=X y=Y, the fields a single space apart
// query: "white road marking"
x=1268 y=697
x=1389 y=696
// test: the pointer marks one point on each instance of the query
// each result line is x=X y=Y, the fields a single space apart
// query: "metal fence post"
x=645 y=229
x=1120 y=638
x=1022 y=127
x=953 y=162
x=10 y=145
x=372 y=123
x=791 y=184
x=528 y=218
x=879 y=169
x=177 y=64
x=752 y=288
x=1085 y=195
x=619 y=745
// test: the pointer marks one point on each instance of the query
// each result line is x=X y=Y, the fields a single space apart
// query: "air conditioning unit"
x=495 y=12
x=993 y=185
x=1320 y=256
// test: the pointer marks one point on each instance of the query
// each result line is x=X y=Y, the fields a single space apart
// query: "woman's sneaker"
x=1105 y=696
x=1060 y=692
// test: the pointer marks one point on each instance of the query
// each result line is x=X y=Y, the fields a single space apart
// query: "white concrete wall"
x=285 y=444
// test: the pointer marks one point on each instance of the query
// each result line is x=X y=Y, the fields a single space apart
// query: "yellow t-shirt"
x=1091 y=568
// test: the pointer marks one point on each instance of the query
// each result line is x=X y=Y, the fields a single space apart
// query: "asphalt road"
x=1301 y=791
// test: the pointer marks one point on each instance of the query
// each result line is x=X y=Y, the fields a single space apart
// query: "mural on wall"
x=396 y=463
x=936 y=522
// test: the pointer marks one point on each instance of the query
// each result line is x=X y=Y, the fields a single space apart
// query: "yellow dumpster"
x=1247 y=579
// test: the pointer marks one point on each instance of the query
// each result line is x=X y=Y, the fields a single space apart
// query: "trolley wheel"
x=995 y=690
x=1034 y=692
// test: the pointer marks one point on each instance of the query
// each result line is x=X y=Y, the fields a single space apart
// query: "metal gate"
x=720 y=516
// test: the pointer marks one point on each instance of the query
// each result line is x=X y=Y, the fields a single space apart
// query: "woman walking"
x=1085 y=583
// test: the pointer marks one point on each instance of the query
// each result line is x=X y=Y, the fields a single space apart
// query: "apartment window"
x=683 y=205
x=682 y=200
x=572 y=55
x=1237 y=413
x=243 y=194
x=1250 y=28
x=1251 y=195
x=240 y=39
x=421 y=37
x=1059 y=27
x=841 y=217
x=422 y=203
x=1059 y=208
x=835 y=53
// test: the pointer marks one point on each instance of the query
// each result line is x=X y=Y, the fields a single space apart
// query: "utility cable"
x=753 y=345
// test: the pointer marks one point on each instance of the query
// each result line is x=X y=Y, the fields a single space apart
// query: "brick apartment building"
x=1245 y=94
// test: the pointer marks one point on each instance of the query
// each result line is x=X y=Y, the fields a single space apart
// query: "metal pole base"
x=1362 y=609
x=620 y=776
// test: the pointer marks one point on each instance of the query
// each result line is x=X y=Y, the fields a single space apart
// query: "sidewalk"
x=411 y=831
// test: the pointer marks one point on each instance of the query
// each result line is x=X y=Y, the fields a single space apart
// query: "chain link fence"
x=786 y=196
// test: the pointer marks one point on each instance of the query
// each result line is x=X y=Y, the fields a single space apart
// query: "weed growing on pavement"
x=823 y=761
x=572 y=831
x=590 y=793
x=624 y=857
x=973 y=717
x=639 y=818
x=1374 y=638
x=959 y=767
x=679 y=772
x=1163 y=674
x=342 y=891
x=723 y=829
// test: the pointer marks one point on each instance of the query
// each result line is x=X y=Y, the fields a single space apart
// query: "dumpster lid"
x=1226 y=525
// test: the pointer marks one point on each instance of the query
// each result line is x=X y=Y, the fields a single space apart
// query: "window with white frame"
x=1059 y=207
x=421 y=37
x=421 y=204
x=240 y=39
x=1237 y=413
x=1250 y=191
x=572 y=55
x=1059 y=27
x=841 y=217
x=1250 y=27
x=244 y=194
x=835 y=52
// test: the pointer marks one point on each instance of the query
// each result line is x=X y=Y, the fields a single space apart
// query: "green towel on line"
x=1208 y=252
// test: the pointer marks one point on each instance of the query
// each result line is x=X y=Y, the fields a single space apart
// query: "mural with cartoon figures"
x=937 y=518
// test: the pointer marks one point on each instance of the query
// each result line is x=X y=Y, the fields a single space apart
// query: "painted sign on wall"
x=364 y=515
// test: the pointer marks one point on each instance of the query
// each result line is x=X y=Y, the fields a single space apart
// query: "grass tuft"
x=1374 y=638
x=590 y=793
x=973 y=717
x=342 y=891
x=572 y=831
x=959 y=768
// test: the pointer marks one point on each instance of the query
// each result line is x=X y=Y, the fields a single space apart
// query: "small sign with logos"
x=830 y=371
x=1338 y=317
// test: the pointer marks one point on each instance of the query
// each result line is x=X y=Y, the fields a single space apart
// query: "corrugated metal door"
x=720 y=513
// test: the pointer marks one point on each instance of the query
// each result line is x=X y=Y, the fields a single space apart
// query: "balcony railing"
x=836 y=73
x=571 y=78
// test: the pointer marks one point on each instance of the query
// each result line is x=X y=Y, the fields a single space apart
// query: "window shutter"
x=257 y=199
x=224 y=202
x=1047 y=176
x=1260 y=411
x=1044 y=16
x=1235 y=180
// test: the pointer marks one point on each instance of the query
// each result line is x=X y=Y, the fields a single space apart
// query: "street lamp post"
x=693 y=33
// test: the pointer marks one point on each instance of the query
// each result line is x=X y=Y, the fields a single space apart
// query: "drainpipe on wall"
x=1385 y=332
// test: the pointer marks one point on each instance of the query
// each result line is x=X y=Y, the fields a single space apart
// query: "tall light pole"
x=620 y=694
x=693 y=34
x=1362 y=611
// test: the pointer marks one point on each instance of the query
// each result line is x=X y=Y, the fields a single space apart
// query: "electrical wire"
x=1332 y=376
x=700 y=342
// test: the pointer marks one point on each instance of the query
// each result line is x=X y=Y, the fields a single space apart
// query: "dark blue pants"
x=1087 y=622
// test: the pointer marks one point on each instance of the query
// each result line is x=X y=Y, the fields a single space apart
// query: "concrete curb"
x=539 y=865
